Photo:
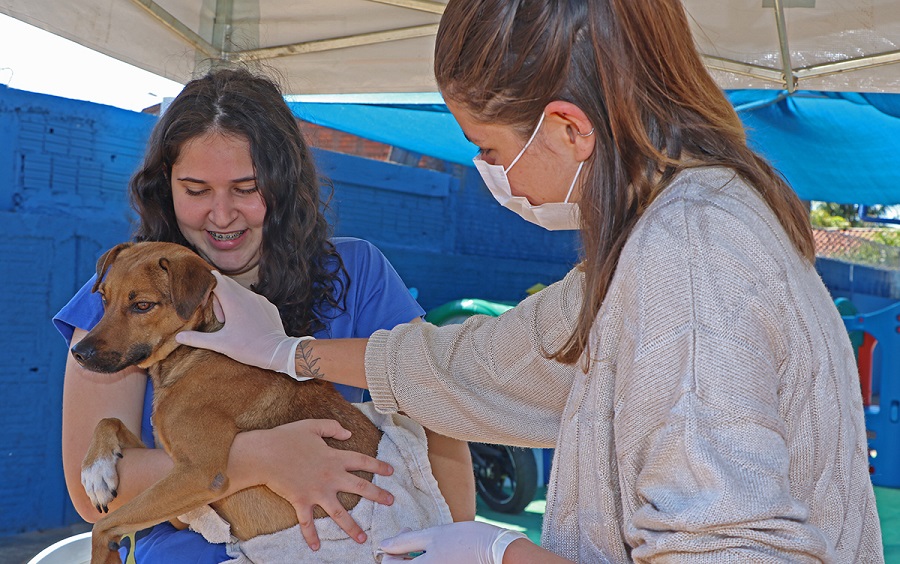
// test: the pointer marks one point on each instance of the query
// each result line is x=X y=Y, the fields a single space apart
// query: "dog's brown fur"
x=202 y=399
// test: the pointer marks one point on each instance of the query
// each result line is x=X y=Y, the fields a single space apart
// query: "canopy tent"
x=776 y=57
x=339 y=46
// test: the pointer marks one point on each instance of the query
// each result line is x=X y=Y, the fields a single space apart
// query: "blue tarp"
x=425 y=128
x=832 y=147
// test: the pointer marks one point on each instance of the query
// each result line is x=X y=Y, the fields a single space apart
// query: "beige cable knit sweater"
x=721 y=418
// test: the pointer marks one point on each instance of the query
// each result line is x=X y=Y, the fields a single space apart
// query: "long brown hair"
x=633 y=68
x=299 y=268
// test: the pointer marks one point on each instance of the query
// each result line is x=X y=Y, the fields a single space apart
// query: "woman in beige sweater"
x=692 y=372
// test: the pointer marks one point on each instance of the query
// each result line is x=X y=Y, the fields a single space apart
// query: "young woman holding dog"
x=692 y=372
x=228 y=173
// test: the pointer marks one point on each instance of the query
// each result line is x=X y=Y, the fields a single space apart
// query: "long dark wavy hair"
x=633 y=68
x=299 y=268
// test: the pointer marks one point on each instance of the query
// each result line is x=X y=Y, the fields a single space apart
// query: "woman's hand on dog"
x=294 y=462
x=253 y=333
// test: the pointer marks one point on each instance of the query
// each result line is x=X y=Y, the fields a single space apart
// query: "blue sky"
x=34 y=60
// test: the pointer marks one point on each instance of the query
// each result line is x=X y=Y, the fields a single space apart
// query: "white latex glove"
x=468 y=541
x=253 y=333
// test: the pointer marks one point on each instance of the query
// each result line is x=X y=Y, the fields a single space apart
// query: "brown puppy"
x=152 y=291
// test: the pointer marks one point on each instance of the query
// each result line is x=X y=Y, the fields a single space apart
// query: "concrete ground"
x=19 y=549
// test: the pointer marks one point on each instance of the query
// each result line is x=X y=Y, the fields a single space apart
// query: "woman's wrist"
x=306 y=362
x=243 y=469
x=341 y=361
x=523 y=551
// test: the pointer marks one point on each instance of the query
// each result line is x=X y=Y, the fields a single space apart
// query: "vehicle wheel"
x=505 y=477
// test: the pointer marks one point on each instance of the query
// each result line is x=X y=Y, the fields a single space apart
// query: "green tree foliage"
x=821 y=218
x=842 y=216
x=880 y=251
x=890 y=237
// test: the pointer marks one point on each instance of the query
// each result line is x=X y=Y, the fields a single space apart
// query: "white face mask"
x=554 y=216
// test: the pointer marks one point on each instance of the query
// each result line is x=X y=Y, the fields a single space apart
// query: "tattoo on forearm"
x=306 y=362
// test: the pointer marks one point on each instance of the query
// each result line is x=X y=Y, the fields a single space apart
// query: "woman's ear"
x=578 y=130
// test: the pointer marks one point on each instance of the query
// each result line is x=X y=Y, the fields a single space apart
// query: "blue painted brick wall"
x=444 y=234
x=63 y=166
x=45 y=258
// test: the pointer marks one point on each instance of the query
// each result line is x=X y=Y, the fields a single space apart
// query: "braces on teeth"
x=225 y=236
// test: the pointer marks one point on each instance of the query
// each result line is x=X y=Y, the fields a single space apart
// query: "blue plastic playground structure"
x=876 y=337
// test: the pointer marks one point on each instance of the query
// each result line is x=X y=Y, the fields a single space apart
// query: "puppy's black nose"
x=83 y=352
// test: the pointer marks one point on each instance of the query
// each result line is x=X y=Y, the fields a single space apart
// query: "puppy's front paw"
x=98 y=469
x=101 y=480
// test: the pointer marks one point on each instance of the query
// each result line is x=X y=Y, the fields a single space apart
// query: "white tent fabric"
x=831 y=45
x=354 y=46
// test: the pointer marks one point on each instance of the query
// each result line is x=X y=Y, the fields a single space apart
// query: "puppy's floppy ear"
x=190 y=283
x=106 y=261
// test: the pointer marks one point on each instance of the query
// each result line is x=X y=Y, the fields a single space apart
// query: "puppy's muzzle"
x=89 y=355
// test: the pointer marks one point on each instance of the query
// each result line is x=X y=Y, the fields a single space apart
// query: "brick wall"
x=439 y=225
x=63 y=165
x=340 y=142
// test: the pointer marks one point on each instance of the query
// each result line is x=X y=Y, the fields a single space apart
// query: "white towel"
x=418 y=504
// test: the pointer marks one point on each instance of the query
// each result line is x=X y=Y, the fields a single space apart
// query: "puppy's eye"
x=142 y=307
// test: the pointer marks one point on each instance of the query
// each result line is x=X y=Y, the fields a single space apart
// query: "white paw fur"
x=100 y=481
